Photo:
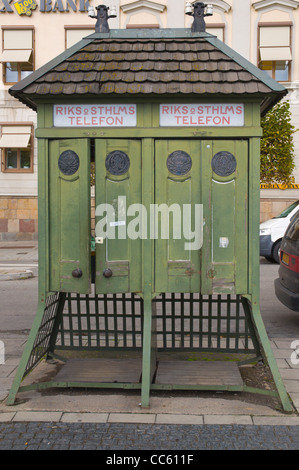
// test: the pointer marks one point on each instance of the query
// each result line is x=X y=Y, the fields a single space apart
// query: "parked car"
x=272 y=231
x=287 y=285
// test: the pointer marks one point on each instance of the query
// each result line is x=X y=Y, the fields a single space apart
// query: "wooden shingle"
x=103 y=65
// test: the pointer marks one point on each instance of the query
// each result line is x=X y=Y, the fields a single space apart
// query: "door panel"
x=69 y=215
x=118 y=185
x=217 y=180
x=194 y=251
x=177 y=191
x=225 y=214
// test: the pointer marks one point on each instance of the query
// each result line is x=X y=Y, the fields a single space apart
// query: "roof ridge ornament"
x=102 y=17
x=199 y=10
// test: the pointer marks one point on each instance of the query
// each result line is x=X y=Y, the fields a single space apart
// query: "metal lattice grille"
x=181 y=322
x=101 y=321
x=205 y=323
x=42 y=341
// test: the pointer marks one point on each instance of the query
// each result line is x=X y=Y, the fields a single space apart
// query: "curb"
x=5 y=276
x=145 y=418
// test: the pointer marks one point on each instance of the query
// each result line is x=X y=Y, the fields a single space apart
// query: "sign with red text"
x=99 y=115
x=219 y=115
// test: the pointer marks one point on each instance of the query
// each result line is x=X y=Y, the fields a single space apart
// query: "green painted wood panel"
x=121 y=250
x=69 y=218
x=226 y=220
x=177 y=253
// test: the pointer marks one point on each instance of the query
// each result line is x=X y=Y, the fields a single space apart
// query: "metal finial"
x=199 y=10
x=102 y=17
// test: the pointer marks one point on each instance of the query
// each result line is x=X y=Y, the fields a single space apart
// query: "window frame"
x=29 y=148
x=75 y=27
x=274 y=62
x=221 y=26
x=19 y=64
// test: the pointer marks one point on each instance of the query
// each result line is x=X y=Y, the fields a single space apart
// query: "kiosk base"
x=100 y=371
x=218 y=373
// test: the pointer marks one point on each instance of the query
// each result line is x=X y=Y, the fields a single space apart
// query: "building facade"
x=266 y=32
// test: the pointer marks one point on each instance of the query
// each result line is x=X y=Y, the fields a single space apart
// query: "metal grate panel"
x=101 y=321
x=219 y=323
x=204 y=323
x=43 y=338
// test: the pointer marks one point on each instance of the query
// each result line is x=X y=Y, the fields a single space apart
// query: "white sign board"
x=219 y=115
x=98 y=115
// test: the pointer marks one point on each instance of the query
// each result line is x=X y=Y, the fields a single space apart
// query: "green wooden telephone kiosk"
x=169 y=122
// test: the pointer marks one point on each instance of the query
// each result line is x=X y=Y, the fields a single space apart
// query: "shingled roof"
x=124 y=63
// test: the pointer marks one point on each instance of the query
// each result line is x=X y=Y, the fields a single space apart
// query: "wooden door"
x=225 y=205
x=69 y=215
x=118 y=216
x=178 y=221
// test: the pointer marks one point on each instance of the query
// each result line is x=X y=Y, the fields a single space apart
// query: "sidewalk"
x=102 y=406
x=18 y=260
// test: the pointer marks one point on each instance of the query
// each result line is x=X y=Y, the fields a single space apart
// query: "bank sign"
x=25 y=7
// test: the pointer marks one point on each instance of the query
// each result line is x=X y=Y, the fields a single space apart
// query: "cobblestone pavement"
x=134 y=437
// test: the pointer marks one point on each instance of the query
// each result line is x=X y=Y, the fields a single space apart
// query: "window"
x=275 y=50
x=216 y=30
x=74 y=34
x=287 y=211
x=17 y=149
x=292 y=232
x=17 y=54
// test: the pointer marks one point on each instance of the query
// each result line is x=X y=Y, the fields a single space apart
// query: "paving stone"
x=37 y=416
x=282 y=353
x=278 y=421
x=290 y=374
x=227 y=419
x=131 y=418
x=84 y=417
x=178 y=419
x=4 y=417
x=291 y=385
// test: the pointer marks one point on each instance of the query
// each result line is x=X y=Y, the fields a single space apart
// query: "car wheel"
x=276 y=252
x=270 y=259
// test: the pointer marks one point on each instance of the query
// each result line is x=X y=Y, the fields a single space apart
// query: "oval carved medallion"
x=117 y=162
x=179 y=163
x=224 y=163
x=68 y=162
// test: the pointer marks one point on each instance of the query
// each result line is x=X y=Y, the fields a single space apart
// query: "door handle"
x=107 y=272
x=77 y=272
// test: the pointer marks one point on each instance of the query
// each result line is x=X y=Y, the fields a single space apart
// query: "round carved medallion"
x=224 y=163
x=117 y=162
x=68 y=162
x=179 y=163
